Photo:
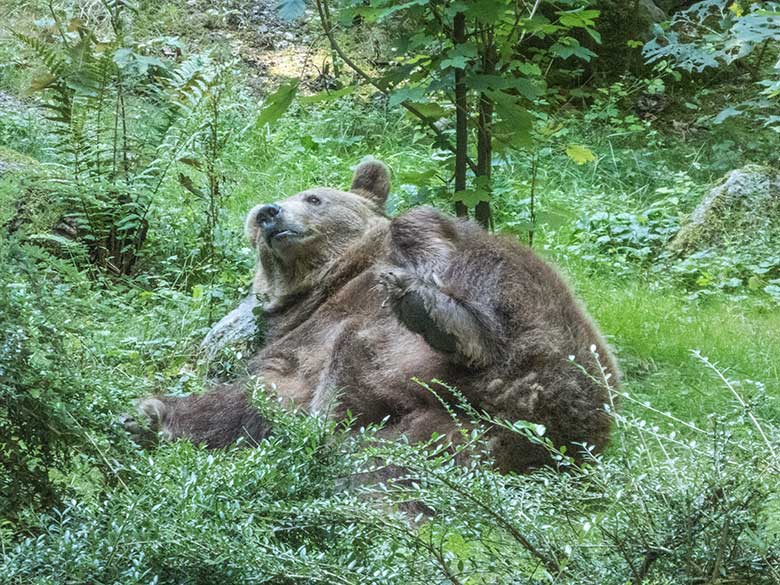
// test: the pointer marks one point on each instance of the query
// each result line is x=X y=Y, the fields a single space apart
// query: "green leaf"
x=459 y=56
x=725 y=114
x=530 y=89
x=594 y=34
x=129 y=61
x=417 y=177
x=516 y=123
x=470 y=197
x=430 y=109
x=553 y=215
x=412 y=94
x=277 y=104
x=578 y=18
x=580 y=154
x=291 y=9
x=772 y=290
x=308 y=142
x=568 y=47
x=530 y=69
x=327 y=96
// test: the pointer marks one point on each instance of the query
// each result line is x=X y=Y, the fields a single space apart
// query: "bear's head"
x=294 y=237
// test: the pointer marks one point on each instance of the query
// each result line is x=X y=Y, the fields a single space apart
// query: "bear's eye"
x=313 y=199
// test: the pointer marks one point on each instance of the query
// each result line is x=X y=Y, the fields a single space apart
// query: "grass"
x=656 y=333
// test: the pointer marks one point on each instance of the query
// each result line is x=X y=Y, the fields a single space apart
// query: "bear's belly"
x=364 y=363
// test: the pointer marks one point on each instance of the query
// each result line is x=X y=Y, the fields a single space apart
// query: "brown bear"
x=356 y=305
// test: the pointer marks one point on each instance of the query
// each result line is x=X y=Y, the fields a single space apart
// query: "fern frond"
x=55 y=61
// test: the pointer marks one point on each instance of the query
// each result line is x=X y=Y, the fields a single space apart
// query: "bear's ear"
x=372 y=180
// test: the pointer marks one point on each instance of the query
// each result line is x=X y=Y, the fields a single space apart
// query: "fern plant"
x=120 y=118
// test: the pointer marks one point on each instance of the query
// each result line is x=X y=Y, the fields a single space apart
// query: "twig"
x=550 y=563
x=742 y=403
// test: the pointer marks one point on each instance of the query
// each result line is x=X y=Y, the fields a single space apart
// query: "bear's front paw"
x=395 y=282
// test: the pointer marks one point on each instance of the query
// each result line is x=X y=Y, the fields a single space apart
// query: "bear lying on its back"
x=356 y=305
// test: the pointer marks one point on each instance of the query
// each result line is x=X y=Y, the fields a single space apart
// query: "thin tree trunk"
x=461 y=118
x=328 y=24
x=483 y=212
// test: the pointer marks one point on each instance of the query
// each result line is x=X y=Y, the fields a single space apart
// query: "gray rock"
x=239 y=327
x=649 y=9
x=743 y=208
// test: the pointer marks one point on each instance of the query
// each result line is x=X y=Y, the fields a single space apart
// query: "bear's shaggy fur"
x=357 y=305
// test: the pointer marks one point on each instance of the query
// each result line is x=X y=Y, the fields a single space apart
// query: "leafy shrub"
x=291 y=511
x=72 y=357
x=48 y=407
x=728 y=270
x=712 y=34
x=624 y=236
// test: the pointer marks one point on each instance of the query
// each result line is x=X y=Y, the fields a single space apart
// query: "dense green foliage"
x=711 y=34
x=688 y=490
x=484 y=67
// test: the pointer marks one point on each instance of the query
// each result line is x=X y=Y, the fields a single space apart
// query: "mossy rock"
x=743 y=209
x=238 y=334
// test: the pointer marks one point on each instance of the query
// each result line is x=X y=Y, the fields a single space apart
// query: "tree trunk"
x=461 y=118
x=483 y=212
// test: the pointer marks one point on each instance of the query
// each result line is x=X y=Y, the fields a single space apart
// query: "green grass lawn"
x=656 y=333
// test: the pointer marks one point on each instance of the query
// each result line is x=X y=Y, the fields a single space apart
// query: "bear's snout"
x=276 y=227
x=268 y=214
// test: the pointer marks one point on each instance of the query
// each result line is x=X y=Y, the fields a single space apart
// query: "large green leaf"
x=327 y=96
x=291 y=9
x=459 y=56
x=412 y=94
x=578 y=18
x=580 y=154
x=277 y=104
x=470 y=197
x=515 y=124
x=430 y=110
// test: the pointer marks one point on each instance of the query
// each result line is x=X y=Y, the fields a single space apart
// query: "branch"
x=550 y=563
x=321 y=9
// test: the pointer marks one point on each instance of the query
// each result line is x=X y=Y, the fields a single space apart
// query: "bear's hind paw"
x=146 y=426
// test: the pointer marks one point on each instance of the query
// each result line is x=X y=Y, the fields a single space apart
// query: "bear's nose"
x=268 y=212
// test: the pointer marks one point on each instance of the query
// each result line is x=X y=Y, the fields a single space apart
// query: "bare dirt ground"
x=275 y=49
